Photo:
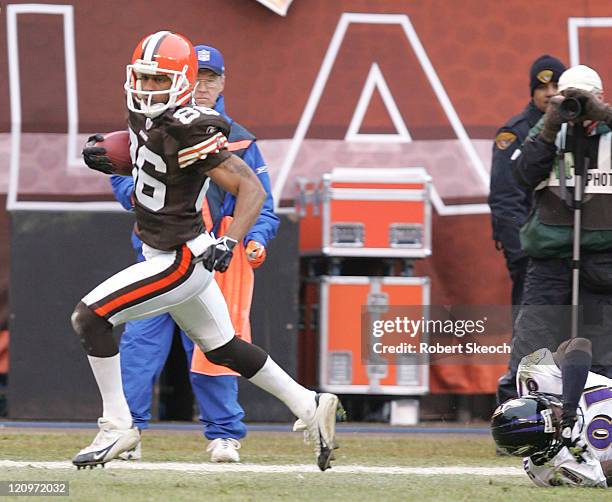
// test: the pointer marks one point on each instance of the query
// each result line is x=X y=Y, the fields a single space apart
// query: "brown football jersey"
x=172 y=154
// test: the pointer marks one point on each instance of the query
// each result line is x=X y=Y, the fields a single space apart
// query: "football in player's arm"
x=561 y=423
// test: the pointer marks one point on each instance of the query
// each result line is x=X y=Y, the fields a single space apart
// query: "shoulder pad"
x=196 y=118
x=537 y=372
x=539 y=357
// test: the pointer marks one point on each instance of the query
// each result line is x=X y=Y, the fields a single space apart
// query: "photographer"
x=583 y=123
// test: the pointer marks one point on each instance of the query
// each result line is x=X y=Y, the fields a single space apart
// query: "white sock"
x=107 y=372
x=273 y=379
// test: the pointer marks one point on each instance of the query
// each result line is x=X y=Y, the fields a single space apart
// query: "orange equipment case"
x=331 y=328
x=358 y=212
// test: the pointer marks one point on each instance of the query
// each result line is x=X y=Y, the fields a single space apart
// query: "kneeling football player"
x=561 y=423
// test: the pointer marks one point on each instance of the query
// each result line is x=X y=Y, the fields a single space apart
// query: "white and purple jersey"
x=538 y=372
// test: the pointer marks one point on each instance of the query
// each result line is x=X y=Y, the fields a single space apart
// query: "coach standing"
x=509 y=202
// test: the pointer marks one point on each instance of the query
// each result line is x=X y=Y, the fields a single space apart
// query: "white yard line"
x=269 y=469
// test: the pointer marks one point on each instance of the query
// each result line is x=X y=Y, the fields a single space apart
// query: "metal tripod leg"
x=576 y=254
x=580 y=167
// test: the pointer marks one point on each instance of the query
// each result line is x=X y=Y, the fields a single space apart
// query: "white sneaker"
x=224 y=450
x=322 y=429
x=133 y=454
x=107 y=445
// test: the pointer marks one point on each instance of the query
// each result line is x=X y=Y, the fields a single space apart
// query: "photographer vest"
x=554 y=198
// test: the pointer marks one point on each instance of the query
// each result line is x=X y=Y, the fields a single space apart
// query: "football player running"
x=175 y=149
x=562 y=421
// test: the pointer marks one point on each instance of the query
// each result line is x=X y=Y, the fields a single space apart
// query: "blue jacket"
x=241 y=143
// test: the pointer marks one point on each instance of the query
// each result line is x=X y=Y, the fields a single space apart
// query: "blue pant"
x=144 y=348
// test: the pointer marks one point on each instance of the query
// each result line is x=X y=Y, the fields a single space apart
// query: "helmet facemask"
x=528 y=426
x=140 y=101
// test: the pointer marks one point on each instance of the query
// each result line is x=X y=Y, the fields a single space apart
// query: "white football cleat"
x=108 y=444
x=299 y=425
x=224 y=450
x=322 y=429
x=133 y=454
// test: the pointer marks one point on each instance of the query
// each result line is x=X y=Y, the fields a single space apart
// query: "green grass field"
x=282 y=449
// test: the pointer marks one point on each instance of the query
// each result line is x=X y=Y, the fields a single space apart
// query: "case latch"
x=348 y=234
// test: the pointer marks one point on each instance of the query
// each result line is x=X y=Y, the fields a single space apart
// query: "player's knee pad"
x=240 y=356
x=95 y=332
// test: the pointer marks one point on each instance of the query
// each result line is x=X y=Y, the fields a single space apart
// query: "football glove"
x=543 y=457
x=95 y=156
x=255 y=253
x=568 y=420
x=218 y=255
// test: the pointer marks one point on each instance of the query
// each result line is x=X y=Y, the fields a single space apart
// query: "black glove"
x=594 y=108
x=95 y=156
x=217 y=256
x=568 y=420
x=552 y=120
x=542 y=457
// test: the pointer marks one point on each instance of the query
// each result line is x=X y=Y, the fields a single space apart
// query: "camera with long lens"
x=572 y=108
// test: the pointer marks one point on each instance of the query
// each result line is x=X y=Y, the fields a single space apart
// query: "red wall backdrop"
x=480 y=50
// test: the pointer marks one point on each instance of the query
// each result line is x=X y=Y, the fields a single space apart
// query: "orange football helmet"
x=162 y=53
